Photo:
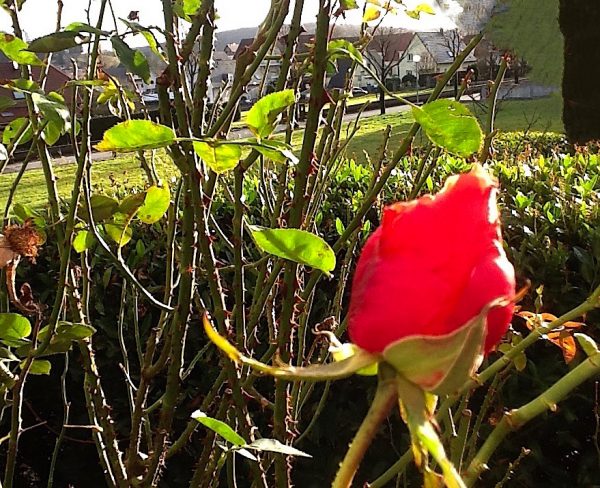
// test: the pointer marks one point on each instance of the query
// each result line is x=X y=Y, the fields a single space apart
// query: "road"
x=237 y=134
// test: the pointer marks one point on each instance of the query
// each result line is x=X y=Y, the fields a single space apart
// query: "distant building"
x=437 y=51
x=266 y=75
x=55 y=81
x=231 y=49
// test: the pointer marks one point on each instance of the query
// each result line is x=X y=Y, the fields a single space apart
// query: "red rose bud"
x=433 y=288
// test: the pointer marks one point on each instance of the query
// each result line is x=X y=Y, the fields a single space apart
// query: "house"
x=55 y=81
x=230 y=49
x=437 y=51
x=383 y=55
x=267 y=73
x=221 y=75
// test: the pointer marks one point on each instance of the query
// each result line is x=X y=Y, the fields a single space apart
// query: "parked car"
x=359 y=92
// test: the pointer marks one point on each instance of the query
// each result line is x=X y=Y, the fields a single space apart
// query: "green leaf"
x=13 y=327
x=118 y=229
x=52 y=133
x=265 y=114
x=276 y=151
x=148 y=35
x=273 y=445
x=52 y=106
x=67 y=332
x=58 y=41
x=341 y=48
x=133 y=59
x=14 y=128
x=220 y=428
x=39 y=367
x=131 y=204
x=339 y=226
x=588 y=344
x=218 y=156
x=135 y=135
x=81 y=27
x=296 y=245
x=103 y=207
x=348 y=4
x=156 y=203
x=187 y=8
x=450 y=125
x=15 y=49
x=83 y=241
x=7 y=355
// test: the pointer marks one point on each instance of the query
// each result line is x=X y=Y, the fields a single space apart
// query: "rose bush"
x=433 y=266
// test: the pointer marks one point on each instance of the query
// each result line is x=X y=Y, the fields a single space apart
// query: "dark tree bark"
x=580 y=24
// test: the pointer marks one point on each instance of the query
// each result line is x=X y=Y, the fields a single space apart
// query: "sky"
x=38 y=17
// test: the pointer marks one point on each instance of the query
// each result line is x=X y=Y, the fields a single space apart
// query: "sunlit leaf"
x=371 y=13
x=156 y=203
x=39 y=367
x=83 y=241
x=13 y=327
x=451 y=126
x=14 y=128
x=348 y=4
x=265 y=114
x=118 y=229
x=588 y=344
x=273 y=445
x=134 y=135
x=220 y=428
x=422 y=8
x=186 y=9
x=296 y=245
x=218 y=156
x=15 y=49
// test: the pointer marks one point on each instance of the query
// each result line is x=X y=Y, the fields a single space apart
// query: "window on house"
x=410 y=57
x=409 y=72
x=18 y=95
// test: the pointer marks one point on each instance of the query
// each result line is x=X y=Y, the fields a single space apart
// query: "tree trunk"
x=381 y=101
x=579 y=22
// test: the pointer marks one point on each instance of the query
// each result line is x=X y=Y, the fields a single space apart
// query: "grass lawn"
x=540 y=115
x=122 y=173
x=112 y=177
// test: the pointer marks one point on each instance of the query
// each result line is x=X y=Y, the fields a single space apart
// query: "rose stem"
x=385 y=398
x=516 y=419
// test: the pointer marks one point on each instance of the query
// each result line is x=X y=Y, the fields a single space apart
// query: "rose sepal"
x=416 y=408
x=360 y=360
x=442 y=364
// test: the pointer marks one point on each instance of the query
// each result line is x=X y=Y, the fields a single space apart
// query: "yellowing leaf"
x=371 y=13
x=316 y=372
x=218 y=156
x=135 y=135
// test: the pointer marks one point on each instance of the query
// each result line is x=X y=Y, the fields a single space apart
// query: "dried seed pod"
x=21 y=240
x=7 y=255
